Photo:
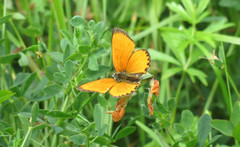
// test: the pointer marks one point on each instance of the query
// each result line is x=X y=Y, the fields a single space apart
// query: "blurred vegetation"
x=49 y=47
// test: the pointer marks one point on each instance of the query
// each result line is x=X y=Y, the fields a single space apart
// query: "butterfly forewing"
x=122 y=48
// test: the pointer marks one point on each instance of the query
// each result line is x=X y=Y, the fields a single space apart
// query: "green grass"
x=48 y=48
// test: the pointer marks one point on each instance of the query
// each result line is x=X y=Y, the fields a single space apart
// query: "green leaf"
x=4 y=19
x=179 y=10
x=31 y=48
x=218 y=25
x=68 y=68
x=150 y=30
x=23 y=61
x=187 y=119
x=79 y=139
x=133 y=120
x=171 y=104
x=55 y=113
x=51 y=69
x=218 y=63
x=156 y=55
x=84 y=49
x=225 y=38
x=179 y=128
x=18 y=16
x=73 y=128
x=189 y=8
x=214 y=139
x=202 y=6
x=102 y=101
x=5 y=94
x=96 y=74
x=98 y=116
x=125 y=132
x=161 y=108
x=78 y=21
x=35 y=109
x=99 y=30
x=103 y=140
x=41 y=84
x=81 y=96
x=60 y=78
x=57 y=129
x=103 y=129
x=31 y=31
x=40 y=126
x=235 y=116
x=28 y=82
x=74 y=57
x=192 y=143
x=236 y=132
x=199 y=74
x=20 y=79
x=145 y=110
x=8 y=58
x=93 y=64
x=53 y=89
x=91 y=24
x=170 y=72
x=230 y=4
x=42 y=46
x=223 y=126
x=150 y=132
x=202 y=16
x=87 y=101
x=204 y=128
x=24 y=120
x=221 y=54
x=57 y=56
x=67 y=35
x=66 y=53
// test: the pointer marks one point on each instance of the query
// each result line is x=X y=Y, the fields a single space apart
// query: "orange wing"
x=122 y=48
x=139 y=62
x=101 y=86
x=123 y=89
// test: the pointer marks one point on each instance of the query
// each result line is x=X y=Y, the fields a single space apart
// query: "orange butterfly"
x=130 y=65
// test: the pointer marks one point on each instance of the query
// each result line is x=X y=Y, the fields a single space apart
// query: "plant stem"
x=28 y=135
x=4 y=14
x=210 y=96
x=183 y=74
x=234 y=86
x=82 y=65
x=227 y=78
x=177 y=97
x=17 y=33
x=229 y=91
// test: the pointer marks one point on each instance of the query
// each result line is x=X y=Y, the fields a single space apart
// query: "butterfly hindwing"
x=123 y=89
x=139 y=62
x=122 y=48
x=101 y=86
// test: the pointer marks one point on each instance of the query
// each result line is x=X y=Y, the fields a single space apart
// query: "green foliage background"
x=49 y=47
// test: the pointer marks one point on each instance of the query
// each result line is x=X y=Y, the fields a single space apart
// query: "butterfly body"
x=130 y=65
x=125 y=77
